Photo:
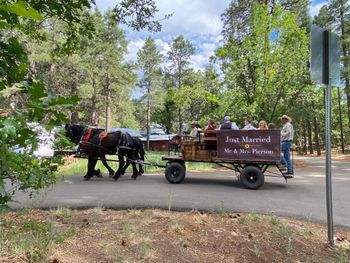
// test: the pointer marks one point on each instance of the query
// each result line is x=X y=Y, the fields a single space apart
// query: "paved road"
x=301 y=197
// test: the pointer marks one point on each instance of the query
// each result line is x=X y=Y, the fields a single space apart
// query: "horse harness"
x=125 y=141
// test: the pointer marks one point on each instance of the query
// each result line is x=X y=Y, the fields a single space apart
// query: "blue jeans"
x=285 y=160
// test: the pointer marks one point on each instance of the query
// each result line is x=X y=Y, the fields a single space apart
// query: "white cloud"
x=192 y=17
x=162 y=46
x=198 y=20
x=133 y=47
x=315 y=8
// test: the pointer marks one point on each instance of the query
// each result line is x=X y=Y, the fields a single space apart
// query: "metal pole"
x=328 y=139
x=329 y=165
x=341 y=124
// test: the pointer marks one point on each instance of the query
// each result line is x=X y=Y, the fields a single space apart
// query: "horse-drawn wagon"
x=250 y=153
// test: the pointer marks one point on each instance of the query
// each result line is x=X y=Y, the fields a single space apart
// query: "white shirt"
x=234 y=126
x=287 y=132
x=194 y=132
x=249 y=126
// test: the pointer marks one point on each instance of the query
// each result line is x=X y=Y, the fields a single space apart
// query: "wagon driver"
x=287 y=135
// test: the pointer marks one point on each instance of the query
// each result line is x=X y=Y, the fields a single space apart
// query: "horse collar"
x=85 y=138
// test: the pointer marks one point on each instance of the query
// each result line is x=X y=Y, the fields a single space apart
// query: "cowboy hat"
x=286 y=117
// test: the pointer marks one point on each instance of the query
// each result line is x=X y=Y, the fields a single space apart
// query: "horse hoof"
x=116 y=177
x=134 y=177
x=87 y=178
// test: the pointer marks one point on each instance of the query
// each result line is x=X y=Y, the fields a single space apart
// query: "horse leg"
x=91 y=168
x=110 y=170
x=98 y=173
x=136 y=156
x=118 y=173
x=141 y=171
x=125 y=166
x=135 y=173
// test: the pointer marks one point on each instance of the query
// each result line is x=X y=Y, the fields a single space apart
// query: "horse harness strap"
x=125 y=141
x=85 y=138
x=101 y=136
x=84 y=141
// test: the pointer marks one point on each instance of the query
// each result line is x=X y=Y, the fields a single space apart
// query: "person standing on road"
x=287 y=135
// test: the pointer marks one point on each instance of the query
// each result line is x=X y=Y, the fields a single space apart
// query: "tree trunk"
x=75 y=115
x=266 y=44
x=180 y=121
x=309 y=131
x=32 y=68
x=317 y=136
x=180 y=112
x=108 y=105
x=50 y=81
x=304 y=141
x=345 y=57
x=95 y=120
x=347 y=92
x=148 y=114
x=341 y=124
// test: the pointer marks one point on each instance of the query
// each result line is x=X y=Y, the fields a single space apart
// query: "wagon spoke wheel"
x=175 y=172
x=252 y=177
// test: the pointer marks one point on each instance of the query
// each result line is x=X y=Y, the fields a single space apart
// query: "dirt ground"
x=102 y=235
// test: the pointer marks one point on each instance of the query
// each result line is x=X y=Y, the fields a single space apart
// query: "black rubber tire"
x=252 y=177
x=175 y=172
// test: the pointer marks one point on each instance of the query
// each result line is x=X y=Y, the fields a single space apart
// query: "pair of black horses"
x=96 y=144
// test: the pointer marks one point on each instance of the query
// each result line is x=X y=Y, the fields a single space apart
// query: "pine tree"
x=149 y=60
x=179 y=56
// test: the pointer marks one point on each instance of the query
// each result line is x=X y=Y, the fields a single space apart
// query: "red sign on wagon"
x=249 y=145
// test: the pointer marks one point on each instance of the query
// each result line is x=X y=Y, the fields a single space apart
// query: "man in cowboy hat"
x=195 y=129
x=287 y=135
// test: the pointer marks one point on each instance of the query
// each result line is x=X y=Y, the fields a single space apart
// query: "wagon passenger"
x=271 y=126
x=228 y=125
x=248 y=125
x=262 y=125
x=195 y=130
x=211 y=125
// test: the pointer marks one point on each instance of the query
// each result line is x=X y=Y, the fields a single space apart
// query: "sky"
x=198 y=20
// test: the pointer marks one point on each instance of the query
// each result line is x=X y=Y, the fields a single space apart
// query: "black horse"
x=96 y=144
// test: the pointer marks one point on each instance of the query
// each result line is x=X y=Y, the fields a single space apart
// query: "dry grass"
x=101 y=235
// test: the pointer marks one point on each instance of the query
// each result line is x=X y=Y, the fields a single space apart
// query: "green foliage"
x=31 y=92
x=142 y=12
x=263 y=69
x=149 y=60
x=167 y=114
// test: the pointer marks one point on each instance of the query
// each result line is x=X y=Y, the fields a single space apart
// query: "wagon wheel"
x=175 y=172
x=252 y=177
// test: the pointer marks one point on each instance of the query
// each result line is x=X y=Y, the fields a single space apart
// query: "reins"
x=98 y=146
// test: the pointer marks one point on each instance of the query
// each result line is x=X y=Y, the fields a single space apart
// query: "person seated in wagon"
x=248 y=125
x=195 y=129
x=228 y=125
